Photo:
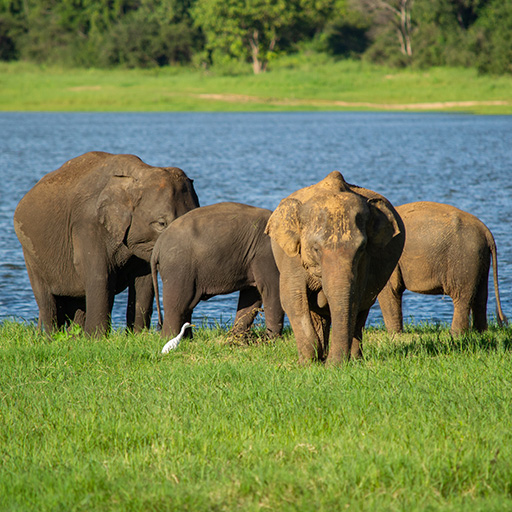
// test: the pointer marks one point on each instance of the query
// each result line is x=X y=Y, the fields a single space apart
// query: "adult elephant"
x=214 y=250
x=335 y=245
x=447 y=251
x=87 y=231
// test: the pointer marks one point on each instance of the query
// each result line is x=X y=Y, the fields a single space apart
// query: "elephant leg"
x=305 y=336
x=296 y=306
x=274 y=314
x=173 y=321
x=294 y=299
x=249 y=304
x=130 y=308
x=460 y=321
x=99 y=283
x=311 y=330
x=322 y=327
x=71 y=309
x=179 y=301
x=48 y=318
x=390 y=302
x=46 y=302
x=99 y=300
x=185 y=316
x=356 y=351
x=479 y=304
x=140 y=303
x=79 y=317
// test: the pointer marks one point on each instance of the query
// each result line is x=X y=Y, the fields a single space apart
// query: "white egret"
x=172 y=344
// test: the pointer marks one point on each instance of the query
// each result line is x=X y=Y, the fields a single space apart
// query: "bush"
x=345 y=39
x=137 y=41
x=492 y=41
x=10 y=29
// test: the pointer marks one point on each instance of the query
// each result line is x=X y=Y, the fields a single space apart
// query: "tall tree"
x=396 y=13
x=251 y=29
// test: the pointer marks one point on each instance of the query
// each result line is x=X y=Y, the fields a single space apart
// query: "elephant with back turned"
x=447 y=251
x=214 y=250
x=87 y=232
x=335 y=245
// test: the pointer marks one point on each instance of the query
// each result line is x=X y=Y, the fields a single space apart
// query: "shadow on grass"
x=433 y=340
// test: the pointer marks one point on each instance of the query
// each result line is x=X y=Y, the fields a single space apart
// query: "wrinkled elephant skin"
x=335 y=245
x=447 y=251
x=214 y=250
x=87 y=232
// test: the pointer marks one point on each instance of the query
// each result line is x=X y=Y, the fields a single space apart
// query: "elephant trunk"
x=339 y=284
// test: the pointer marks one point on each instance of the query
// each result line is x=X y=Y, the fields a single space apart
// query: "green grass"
x=294 y=83
x=422 y=423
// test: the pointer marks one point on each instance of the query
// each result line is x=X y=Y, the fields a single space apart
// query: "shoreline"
x=333 y=86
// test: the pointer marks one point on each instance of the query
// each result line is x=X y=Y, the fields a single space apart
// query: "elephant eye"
x=315 y=248
x=159 y=225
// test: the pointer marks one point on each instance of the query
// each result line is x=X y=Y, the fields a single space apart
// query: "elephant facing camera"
x=335 y=246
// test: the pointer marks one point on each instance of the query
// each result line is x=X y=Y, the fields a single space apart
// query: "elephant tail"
x=502 y=319
x=154 y=275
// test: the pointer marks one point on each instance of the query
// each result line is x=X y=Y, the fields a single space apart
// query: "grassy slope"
x=423 y=423
x=293 y=84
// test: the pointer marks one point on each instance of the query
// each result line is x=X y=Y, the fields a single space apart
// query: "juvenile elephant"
x=87 y=231
x=447 y=251
x=335 y=245
x=215 y=250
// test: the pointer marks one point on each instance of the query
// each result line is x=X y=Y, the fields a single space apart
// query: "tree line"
x=146 y=33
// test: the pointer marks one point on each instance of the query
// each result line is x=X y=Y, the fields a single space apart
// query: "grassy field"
x=294 y=83
x=422 y=423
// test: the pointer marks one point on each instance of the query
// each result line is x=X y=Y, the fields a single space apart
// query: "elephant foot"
x=355 y=351
x=307 y=361
x=246 y=338
x=357 y=355
x=272 y=336
x=332 y=362
x=336 y=358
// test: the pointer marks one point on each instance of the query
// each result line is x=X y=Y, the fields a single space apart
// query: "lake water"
x=259 y=158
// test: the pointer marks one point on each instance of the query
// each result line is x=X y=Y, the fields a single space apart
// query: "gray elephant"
x=87 y=232
x=215 y=250
x=335 y=246
x=447 y=251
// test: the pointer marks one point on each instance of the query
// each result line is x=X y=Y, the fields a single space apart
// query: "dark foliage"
x=146 y=33
x=346 y=39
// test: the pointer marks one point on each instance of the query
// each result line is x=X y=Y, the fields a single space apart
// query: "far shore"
x=309 y=86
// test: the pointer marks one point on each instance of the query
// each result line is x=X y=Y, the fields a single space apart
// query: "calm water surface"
x=259 y=158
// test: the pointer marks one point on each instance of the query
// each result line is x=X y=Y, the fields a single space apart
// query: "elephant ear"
x=283 y=226
x=115 y=206
x=383 y=225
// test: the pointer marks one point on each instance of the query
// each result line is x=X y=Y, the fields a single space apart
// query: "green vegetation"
x=305 y=82
x=152 y=33
x=422 y=423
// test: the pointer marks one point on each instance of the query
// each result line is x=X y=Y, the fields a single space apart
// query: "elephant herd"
x=102 y=223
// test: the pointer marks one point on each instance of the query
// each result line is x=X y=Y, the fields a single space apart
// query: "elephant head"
x=87 y=231
x=137 y=204
x=332 y=246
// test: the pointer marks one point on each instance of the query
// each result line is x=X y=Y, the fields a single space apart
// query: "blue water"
x=259 y=158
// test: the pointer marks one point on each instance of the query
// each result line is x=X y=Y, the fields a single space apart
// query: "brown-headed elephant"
x=215 y=250
x=87 y=232
x=335 y=245
x=447 y=251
